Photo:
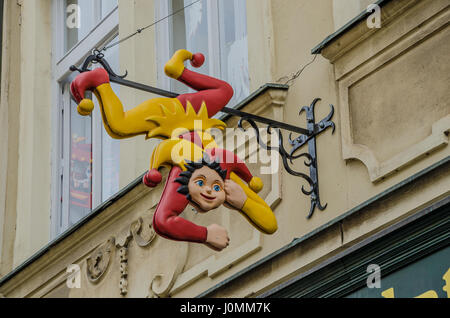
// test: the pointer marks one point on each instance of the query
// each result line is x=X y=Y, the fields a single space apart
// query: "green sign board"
x=428 y=277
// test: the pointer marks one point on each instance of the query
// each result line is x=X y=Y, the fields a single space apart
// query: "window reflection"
x=80 y=165
x=220 y=33
x=234 y=47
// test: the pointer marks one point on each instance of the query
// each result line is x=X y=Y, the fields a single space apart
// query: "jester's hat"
x=178 y=152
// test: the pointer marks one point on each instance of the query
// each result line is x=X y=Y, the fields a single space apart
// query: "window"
x=86 y=158
x=82 y=16
x=216 y=28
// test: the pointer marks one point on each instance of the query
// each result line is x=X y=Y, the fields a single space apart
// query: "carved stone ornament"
x=139 y=230
x=98 y=262
x=136 y=231
x=122 y=245
x=162 y=283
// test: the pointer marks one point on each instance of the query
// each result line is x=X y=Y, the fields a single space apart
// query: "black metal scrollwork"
x=94 y=58
x=296 y=144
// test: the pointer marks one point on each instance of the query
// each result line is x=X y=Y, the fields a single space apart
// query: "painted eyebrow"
x=200 y=176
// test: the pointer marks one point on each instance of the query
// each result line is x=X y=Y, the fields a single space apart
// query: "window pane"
x=107 y=6
x=81 y=18
x=80 y=177
x=189 y=31
x=234 y=47
x=196 y=22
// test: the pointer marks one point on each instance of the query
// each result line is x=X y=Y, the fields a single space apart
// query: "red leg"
x=214 y=92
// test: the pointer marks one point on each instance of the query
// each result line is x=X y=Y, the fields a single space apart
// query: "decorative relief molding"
x=97 y=264
x=139 y=227
x=123 y=258
x=161 y=285
x=391 y=43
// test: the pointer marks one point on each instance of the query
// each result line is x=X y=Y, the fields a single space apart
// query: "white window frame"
x=102 y=33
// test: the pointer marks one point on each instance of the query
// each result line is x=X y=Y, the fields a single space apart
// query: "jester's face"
x=206 y=189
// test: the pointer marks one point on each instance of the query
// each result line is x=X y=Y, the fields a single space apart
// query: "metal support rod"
x=227 y=110
x=142 y=87
x=267 y=121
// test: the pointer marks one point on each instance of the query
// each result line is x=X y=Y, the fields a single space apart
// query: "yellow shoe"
x=175 y=66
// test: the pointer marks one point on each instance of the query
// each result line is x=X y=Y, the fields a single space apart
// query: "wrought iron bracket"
x=306 y=135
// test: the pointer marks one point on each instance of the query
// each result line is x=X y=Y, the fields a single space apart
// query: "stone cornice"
x=356 y=31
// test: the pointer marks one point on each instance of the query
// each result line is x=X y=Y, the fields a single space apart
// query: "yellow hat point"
x=85 y=107
x=256 y=184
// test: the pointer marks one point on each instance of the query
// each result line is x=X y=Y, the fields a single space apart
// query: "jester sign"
x=201 y=174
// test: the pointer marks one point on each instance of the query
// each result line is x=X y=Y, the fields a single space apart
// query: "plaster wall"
x=9 y=107
x=26 y=102
x=33 y=194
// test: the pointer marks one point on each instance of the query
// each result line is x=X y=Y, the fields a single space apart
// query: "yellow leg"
x=256 y=210
x=120 y=124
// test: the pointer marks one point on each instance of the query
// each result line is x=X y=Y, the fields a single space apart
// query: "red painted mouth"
x=207 y=197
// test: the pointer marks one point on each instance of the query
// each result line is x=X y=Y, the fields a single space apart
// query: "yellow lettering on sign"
x=388 y=293
x=428 y=294
x=446 y=278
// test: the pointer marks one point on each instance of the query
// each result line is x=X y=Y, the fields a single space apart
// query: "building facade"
x=76 y=220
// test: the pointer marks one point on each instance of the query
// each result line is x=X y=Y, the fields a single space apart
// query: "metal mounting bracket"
x=306 y=136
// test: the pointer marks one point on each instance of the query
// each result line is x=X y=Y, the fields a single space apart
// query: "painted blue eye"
x=216 y=188
x=200 y=183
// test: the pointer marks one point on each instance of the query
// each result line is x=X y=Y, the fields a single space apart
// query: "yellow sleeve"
x=256 y=210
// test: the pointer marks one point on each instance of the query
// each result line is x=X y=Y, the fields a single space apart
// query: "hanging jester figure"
x=201 y=175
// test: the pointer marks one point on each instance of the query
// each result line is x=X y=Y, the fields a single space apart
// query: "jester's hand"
x=217 y=237
x=235 y=195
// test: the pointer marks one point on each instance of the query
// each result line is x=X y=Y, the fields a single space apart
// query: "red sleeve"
x=166 y=219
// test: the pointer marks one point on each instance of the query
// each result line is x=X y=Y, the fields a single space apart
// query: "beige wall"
x=26 y=102
x=261 y=43
x=9 y=106
x=392 y=122
x=33 y=195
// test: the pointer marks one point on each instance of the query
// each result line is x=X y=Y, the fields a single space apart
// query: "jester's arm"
x=166 y=219
x=256 y=210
